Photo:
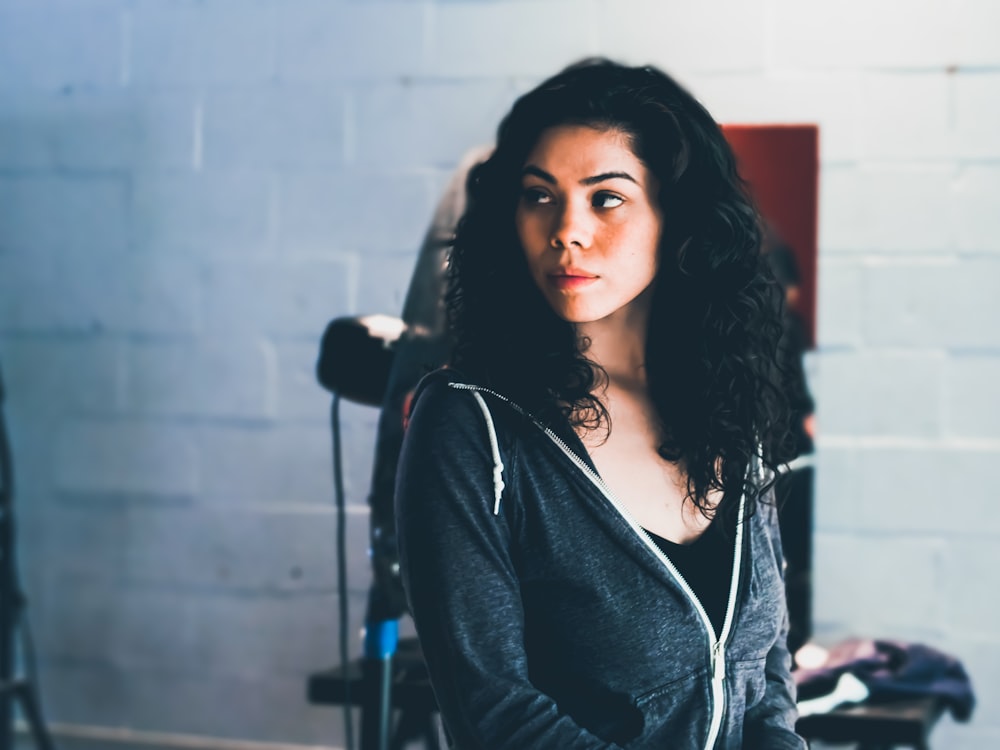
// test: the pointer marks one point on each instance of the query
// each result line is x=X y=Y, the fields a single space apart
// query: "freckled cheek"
x=534 y=241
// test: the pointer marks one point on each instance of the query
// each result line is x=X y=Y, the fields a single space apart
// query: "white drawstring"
x=495 y=449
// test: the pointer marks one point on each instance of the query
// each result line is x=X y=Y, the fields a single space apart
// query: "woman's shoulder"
x=451 y=409
x=441 y=389
x=445 y=399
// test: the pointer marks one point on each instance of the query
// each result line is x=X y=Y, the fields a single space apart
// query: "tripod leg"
x=6 y=716
x=29 y=704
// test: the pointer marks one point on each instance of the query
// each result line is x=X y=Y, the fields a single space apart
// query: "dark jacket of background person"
x=423 y=347
x=553 y=623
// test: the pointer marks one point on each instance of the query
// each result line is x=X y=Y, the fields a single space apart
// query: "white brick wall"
x=189 y=191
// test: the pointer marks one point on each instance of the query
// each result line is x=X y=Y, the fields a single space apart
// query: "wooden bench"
x=876 y=726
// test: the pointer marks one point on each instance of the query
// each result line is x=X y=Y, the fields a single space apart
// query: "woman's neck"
x=618 y=345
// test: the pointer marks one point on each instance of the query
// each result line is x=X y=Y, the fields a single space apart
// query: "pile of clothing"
x=889 y=670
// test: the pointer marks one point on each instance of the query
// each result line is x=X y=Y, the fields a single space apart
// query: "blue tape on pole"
x=381 y=639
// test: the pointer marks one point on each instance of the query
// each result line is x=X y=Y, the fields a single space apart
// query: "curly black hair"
x=712 y=361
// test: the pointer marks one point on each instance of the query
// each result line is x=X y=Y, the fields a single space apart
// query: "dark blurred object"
x=355 y=357
x=795 y=341
x=13 y=616
x=423 y=347
x=794 y=489
x=905 y=723
x=794 y=495
x=412 y=697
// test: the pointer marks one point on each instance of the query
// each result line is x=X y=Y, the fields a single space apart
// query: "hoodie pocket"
x=675 y=714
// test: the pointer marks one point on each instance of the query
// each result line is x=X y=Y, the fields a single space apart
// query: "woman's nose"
x=573 y=225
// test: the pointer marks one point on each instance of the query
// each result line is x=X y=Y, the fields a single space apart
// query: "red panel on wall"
x=781 y=164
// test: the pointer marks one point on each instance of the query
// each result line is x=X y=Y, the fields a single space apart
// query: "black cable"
x=338 y=488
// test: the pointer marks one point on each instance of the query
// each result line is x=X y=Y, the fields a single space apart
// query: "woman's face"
x=590 y=224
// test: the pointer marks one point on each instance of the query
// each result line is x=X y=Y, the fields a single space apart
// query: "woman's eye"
x=535 y=196
x=607 y=200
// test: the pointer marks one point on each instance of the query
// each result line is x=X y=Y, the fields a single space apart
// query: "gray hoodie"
x=549 y=619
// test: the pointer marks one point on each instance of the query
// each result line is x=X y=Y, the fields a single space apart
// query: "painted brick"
x=684 y=37
x=974 y=210
x=976 y=113
x=281 y=297
x=270 y=465
x=31 y=436
x=55 y=377
x=839 y=302
x=976 y=21
x=877 y=585
x=474 y=41
x=72 y=545
x=874 y=393
x=82 y=50
x=907 y=116
x=105 y=293
x=900 y=490
x=75 y=620
x=154 y=295
x=210 y=43
x=65 y=214
x=207 y=214
x=382 y=286
x=949 y=304
x=972 y=613
x=832 y=35
x=219 y=377
x=125 y=457
x=839 y=210
x=887 y=209
x=403 y=126
x=299 y=395
x=96 y=130
x=830 y=100
x=287 y=553
x=972 y=398
x=274 y=128
x=221 y=636
x=157 y=295
x=324 y=41
x=836 y=493
x=356 y=211
x=265 y=709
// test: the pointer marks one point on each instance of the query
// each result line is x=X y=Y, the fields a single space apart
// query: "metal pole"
x=381 y=639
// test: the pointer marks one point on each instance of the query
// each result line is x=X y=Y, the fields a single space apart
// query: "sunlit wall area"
x=190 y=190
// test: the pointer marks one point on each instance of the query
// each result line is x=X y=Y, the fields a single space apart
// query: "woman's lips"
x=571 y=280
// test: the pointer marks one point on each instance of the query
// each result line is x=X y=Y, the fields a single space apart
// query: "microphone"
x=356 y=355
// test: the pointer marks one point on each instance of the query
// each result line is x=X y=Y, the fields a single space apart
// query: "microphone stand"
x=355 y=362
x=12 y=603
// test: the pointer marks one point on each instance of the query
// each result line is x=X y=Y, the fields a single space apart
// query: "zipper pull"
x=719 y=661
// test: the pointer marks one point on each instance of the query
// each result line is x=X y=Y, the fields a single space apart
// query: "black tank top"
x=707 y=566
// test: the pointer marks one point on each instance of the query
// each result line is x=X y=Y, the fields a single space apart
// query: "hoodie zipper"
x=717 y=646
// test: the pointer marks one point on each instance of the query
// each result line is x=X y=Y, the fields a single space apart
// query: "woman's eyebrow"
x=607 y=176
x=538 y=172
x=593 y=180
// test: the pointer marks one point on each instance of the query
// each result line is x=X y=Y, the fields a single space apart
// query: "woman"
x=587 y=539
